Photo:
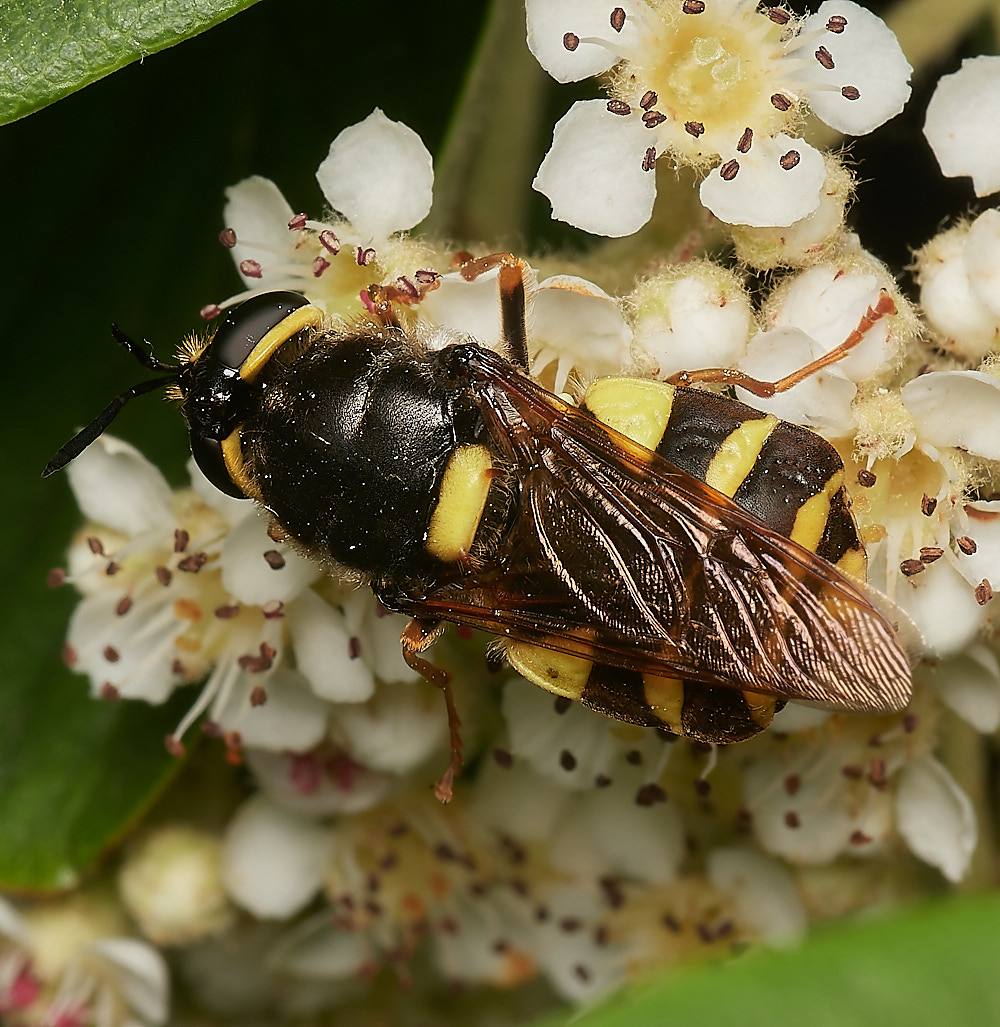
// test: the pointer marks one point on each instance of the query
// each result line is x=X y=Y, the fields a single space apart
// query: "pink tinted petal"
x=593 y=173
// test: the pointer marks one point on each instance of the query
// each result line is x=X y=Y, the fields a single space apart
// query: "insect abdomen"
x=786 y=476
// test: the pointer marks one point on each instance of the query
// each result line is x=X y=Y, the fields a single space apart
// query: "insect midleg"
x=765 y=390
x=417 y=636
x=512 y=299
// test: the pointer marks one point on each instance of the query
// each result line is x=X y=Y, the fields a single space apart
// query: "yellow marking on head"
x=761 y=707
x=636 y=407
x=558 y=673
x=460 y=504
x=232 y=456
x=301 y=317
x=739 y=451
x=665 y=697
x=854 y=564
x=810 y=521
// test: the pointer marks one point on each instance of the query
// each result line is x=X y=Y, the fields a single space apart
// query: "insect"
x=665 y=555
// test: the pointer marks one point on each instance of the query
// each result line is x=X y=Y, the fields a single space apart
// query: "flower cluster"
x=577 y=849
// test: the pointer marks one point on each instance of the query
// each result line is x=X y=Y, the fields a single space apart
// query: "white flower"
x=273 y=859
x=959 y=276
x=70 y=962
x=936 y=817
x=576 y=329
x=961 y=123
x=688 y=317
x=180 y=587
x=713 y=83
x=378 y=179
x=172 y=887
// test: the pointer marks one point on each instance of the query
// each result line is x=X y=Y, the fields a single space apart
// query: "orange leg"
x=417 y=636
x=765 y=390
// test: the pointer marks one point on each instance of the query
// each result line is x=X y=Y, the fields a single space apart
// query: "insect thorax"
x=350 y=444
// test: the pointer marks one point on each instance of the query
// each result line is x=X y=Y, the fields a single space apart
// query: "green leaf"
x=75 y=775
x=53 y=49
x=930 y=966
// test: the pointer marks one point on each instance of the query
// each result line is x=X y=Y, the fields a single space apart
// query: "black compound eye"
x=207 y=455
x=247 y=324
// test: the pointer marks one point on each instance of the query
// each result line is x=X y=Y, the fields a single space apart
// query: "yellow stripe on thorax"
x=460 y=504
x=736 y=456
x=301 y=317
x=636 y=407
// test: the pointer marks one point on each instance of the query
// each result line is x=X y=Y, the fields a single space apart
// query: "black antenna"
x=86 y=436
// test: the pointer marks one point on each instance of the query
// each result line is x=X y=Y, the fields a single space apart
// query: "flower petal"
x=140 y=975
x=865 y=54
x=943 y=607
x=982 y=260
x=292 y=719
x=957 y=408
x=578 y=325
x=700 y=317
x=593 y=173
x=777 y=182
x=823 y=400
x=961 y=123
x=322 y=643
x=116 y=486
x=259 y=214
x=764 y=891
x=969 y=684
x=936 y=817
x=272 y=860
x=258 y=570
x=549 y=21
x=379 y=175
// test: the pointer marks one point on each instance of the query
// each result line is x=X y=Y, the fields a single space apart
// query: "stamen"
x=693 y=7
x=328 y=240
x=648 y=100
x=836 y=24
x=825 y=58
x=250 y=269
x=790 y=160
x=850 y=93
x=571 y=41
x=966 y=544
x=653 y=118
x=729 y=170
x=228 y=238
x=779 y=16
x=319 y=265
x=617 y=19
x=619 y=107
x=866 y=478
x=298 y=222
x=781 y=102
x=928 y=504
x=984 y=592
x=649 y=159
x=745 y=140
x=694 y=128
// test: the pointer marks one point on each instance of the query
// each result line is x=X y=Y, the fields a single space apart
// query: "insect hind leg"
x=765 y=390
x=417 y=636
x=511 y=283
